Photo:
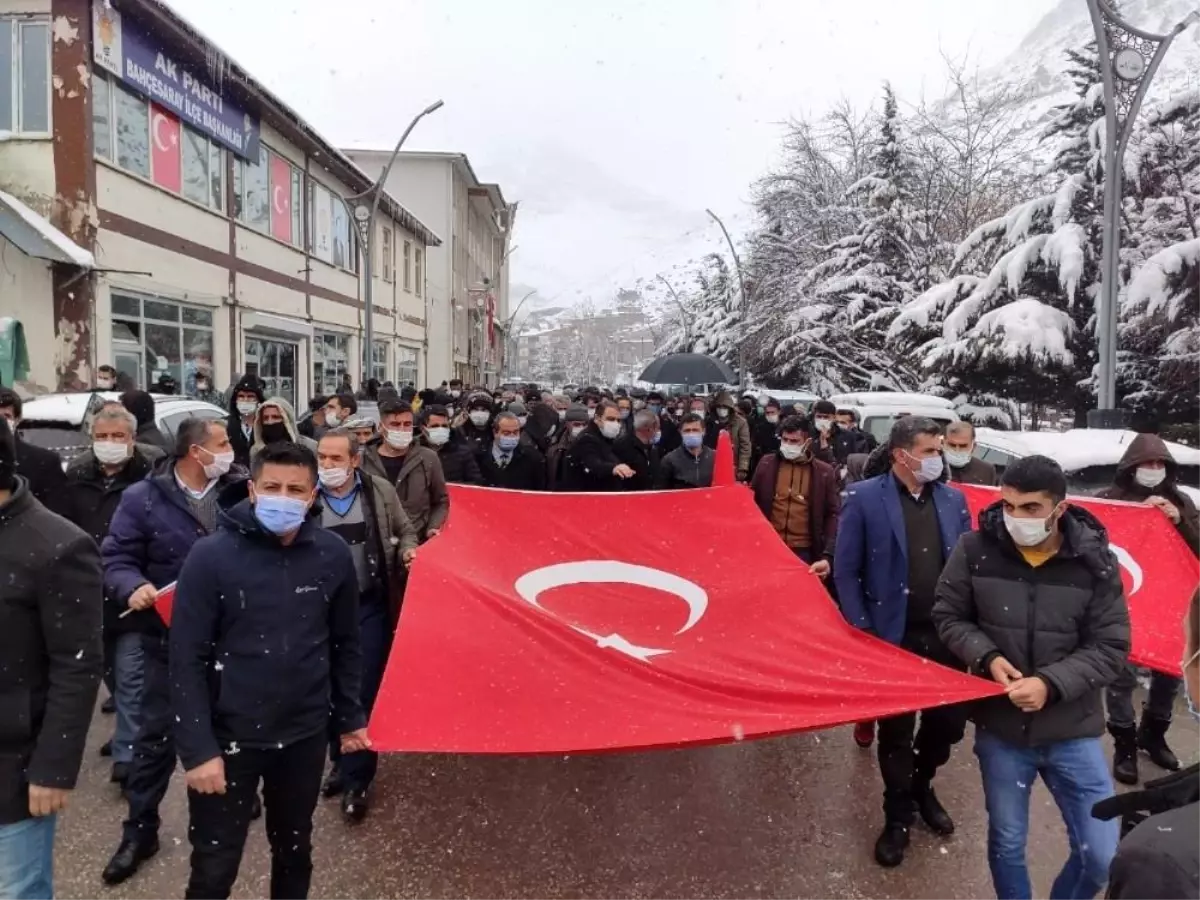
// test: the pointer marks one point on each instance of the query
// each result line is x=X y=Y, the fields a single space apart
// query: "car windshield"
x=880 y=426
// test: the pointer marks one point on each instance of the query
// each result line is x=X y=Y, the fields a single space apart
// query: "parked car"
x=63 y=422
x=803 y=399
x=1089 y=456
x=878 y=410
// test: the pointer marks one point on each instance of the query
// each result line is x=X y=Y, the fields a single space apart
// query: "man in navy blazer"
x=895 y=534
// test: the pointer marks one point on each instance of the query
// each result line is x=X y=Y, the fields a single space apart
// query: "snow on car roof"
x=72 y=408
x=1076 y=448
x=890 y=398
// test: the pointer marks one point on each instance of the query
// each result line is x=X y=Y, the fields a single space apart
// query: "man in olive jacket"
x=1034 y=600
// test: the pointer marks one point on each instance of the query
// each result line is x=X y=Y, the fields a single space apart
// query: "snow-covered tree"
x=836 y=331
x=1024 y=324
x=716 y=326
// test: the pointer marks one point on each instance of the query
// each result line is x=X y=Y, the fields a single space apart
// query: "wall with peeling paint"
x=25 y=295
x=27 y=172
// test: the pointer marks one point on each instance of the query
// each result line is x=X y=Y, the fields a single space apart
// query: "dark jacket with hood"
x=1159 y=856
x=284 y=431
x=458 y=460
x=264 y=652
x=1150 y=448
x=1064 y=621
x=237 y=437
x=50 y=612
x=824 y=501
x=141 y=405
x=739 y=432
x=148 y=539
x=542 y=426
x=590 y=461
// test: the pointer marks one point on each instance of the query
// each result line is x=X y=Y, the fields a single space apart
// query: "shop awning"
x=34 y=236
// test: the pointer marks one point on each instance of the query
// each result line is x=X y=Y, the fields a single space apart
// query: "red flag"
x=281 y=198
x=723 y=469
x=166 y=161
x=577 y=622
x=1159 y=570
x=165 y=603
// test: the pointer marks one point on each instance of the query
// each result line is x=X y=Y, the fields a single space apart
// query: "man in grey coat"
x=1034 y=600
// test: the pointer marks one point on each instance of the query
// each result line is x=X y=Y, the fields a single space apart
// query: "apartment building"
x=163 y=212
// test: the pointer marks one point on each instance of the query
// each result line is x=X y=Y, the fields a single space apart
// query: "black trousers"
x=218 y=823
x=153 y=748
x=910 y=756
x=375 y=638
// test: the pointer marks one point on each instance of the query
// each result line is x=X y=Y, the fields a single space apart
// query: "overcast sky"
x=615 y=123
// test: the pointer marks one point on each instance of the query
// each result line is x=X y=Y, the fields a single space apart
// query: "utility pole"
x=737 y=264
x=364 y=207
x=1129 y=57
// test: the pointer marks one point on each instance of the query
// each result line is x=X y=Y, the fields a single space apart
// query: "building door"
x=273 y=361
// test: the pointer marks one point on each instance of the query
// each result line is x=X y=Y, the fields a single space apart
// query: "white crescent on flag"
x=1125 y=558
x=156 y=120
x=281 y=207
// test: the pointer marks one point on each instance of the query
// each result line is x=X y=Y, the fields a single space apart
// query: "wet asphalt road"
x=789 y=817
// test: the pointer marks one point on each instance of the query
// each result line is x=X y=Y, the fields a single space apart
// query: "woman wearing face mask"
x=1160 y=854
x=1147 y=473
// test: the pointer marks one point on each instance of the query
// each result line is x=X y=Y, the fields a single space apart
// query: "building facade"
x=170 y=216
x=468 y=275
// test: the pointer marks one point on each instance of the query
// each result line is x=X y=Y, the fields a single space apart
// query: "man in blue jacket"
x=154 y=527
x=263 y=654
x=895 y=534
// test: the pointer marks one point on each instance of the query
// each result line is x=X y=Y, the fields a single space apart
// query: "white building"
x=467 y=276
x=164 y=213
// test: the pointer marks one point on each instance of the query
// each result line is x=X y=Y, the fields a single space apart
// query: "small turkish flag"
x=540 y=623
x=281 y=198
x=1158 y=568
x=165 y=603
x=166 y=159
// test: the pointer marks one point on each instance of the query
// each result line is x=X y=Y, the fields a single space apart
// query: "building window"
x=341 y=234
x=379 y=361
x=203 y=169
x=152 y=337
x=331 y=237
x=407 y=263
x=406 y=366
x=102 y=139
x=132 y=116
x=419 y=276
x=331 y=361
x=251 y=192
x=25 y=76
x=385 y=252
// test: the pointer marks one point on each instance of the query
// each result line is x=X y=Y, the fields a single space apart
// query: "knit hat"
x=577 y=413
x=479 y=401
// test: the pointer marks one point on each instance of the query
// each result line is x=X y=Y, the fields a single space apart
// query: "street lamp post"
x=1129 y=58
x=364 y=207
x=737 y=264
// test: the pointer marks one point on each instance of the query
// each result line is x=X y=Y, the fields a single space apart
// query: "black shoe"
x=120 y=773
x=1125 y=761
x=355 y=805
x=109 y=706
x=106 y=749
x=126 y=861
x=256 y=808
x=932 y=811
x=333 y=783
x=1152 y=738
x=889 y=849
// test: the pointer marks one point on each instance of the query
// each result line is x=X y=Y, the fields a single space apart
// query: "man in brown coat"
x=726 y=415
x=1147 y=473
x=799 y=496
x=414 y=469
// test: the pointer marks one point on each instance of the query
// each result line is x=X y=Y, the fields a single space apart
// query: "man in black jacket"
x=850 y=438
x=40 y=467
x=50 y=600
x=1034 y=600
x=254 y=684
x=243 y=408
x=141 y=405
x=592 y=464
x=458 y=461
x=764 y=433
x=638 y=449
x=509 y=462
x=689 y=465
x=475 y=430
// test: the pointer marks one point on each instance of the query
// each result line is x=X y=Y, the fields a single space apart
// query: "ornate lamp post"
x=1129 y=58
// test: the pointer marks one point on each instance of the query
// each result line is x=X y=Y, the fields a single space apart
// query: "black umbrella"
x=688 y=368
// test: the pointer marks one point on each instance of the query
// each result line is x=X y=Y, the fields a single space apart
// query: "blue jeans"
x=1076 y=773
x=27 y=859
x=129 y=674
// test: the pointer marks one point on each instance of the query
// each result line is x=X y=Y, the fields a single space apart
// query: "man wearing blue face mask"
x=509 y=463
x=264 y=658
x=895 y=533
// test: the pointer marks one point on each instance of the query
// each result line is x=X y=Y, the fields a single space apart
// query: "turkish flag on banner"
x=281 y=198
x=165 y=603
x=1159 y=570
x=166 y=159
x=540 y=623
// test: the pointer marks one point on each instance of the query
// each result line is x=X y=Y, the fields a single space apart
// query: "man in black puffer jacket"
x=458 y=460
x=1034 y=600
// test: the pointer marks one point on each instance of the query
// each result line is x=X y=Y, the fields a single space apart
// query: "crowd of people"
x=261 y=682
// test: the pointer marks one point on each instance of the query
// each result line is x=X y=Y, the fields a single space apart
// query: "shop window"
x=419 y=275
x=406 y=366
x=132 y=116
x=406 y=261
x=25 y=75
x=385 y=253
x=153 y=336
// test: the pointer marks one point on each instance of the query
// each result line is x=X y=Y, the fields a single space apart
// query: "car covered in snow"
x=1088 y=456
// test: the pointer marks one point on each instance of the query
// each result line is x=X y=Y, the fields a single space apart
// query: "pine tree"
x=716 y=326
x=837 y=332
x=1024 y=326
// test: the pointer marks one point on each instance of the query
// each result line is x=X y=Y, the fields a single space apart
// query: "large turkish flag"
x=1159 y=570
x=166 y=160
x=281 y=199
x=541 y=623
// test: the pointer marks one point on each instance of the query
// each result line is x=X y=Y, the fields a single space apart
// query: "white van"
x=877 y=410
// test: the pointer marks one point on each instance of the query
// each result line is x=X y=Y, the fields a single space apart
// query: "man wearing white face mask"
x=413 y=468
x=1034 y=600
x=893 y=537
x=1147 y=473
x=475 y=428
x=458 y=462
x=959 y=450
x=726 y=416
x=592 y=463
